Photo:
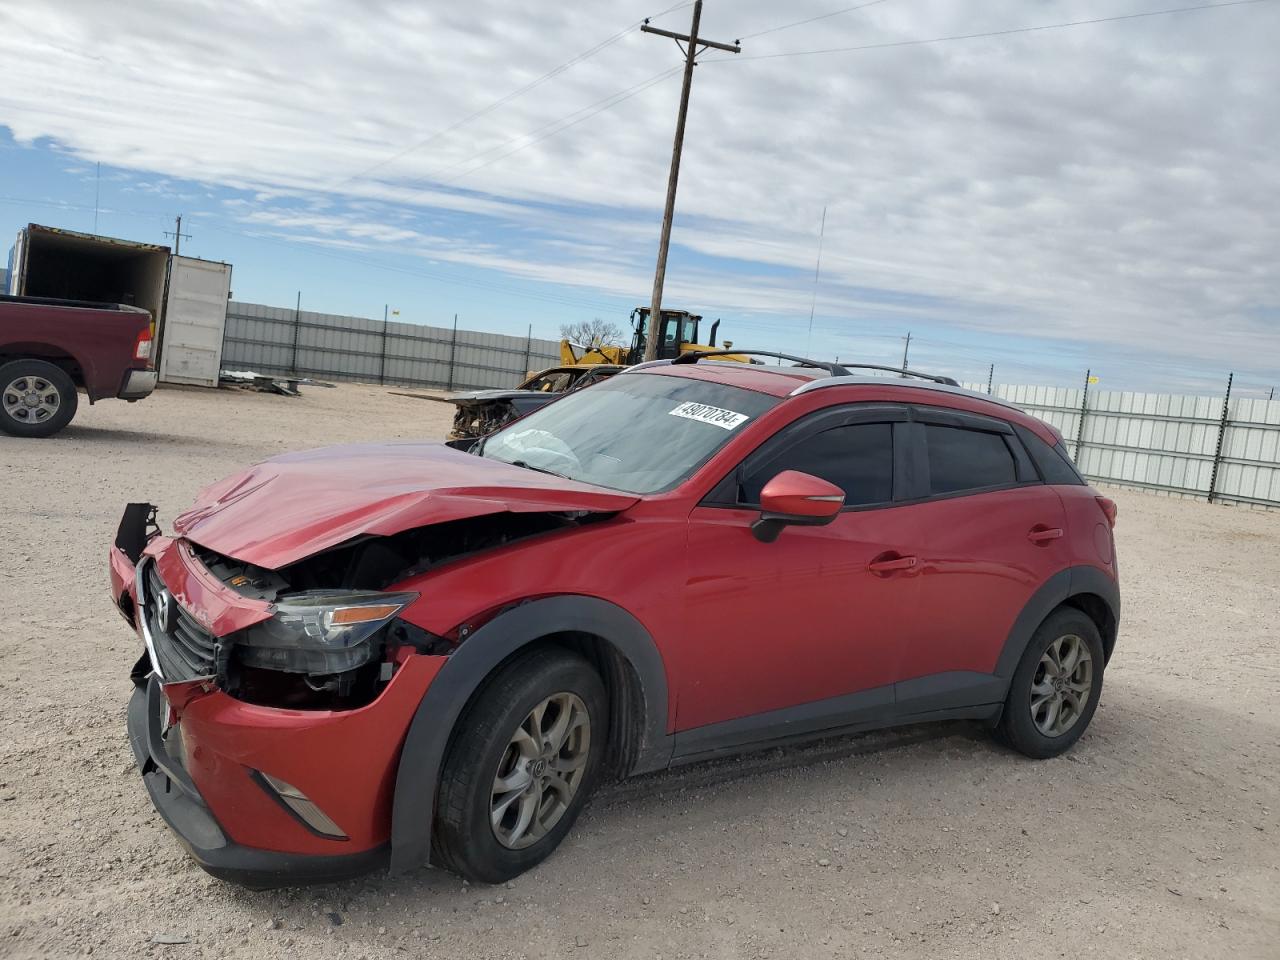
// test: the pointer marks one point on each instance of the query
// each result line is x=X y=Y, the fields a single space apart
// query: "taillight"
x=1109 y=509
x=142 y=346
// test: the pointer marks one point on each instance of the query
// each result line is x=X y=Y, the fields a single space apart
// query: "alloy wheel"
x=540 y=771
x=30 y=399
x=1061 y=685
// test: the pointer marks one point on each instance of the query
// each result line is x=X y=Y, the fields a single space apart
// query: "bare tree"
x=592 y=333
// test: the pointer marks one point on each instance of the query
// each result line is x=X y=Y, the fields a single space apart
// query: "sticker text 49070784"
x=705 y=413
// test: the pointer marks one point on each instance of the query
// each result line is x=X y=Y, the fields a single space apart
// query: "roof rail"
x=904 y=372
x=693 y=356
x=835 y=369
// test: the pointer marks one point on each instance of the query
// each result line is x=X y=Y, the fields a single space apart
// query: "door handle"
x=889 y=563
x=1042 y=535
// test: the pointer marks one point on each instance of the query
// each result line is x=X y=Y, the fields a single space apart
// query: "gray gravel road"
x=1158 y=836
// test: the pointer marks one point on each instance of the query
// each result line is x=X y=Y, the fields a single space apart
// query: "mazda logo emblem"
x=166 y=611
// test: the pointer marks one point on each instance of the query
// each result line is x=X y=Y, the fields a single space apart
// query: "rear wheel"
x=37 y=399
x=526 y=756
x=1055 y=689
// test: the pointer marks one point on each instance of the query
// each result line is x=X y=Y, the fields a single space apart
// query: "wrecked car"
x=385 y=654
x=480 y=412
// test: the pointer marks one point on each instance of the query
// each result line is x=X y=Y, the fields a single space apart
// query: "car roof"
x=775 y=381
x=784 y=382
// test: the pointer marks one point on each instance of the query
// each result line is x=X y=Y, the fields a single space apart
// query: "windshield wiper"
x=529 y=466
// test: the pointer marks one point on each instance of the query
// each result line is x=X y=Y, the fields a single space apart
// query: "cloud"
x=1110 y=186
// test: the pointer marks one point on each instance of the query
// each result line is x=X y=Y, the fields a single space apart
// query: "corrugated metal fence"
x=1222 y=449
x=327 y=346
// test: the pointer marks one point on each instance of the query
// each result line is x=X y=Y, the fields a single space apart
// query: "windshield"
x=638 y=433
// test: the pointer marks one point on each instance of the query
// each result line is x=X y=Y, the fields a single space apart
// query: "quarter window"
x=961 y=459
x=857 y=458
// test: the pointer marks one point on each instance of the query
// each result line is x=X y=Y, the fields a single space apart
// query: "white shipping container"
x=195 y=317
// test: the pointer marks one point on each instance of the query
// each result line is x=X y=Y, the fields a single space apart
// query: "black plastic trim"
x=134 y=530
x=153 y=740
x=957 y=695
x=202 y=835
x=1053 y=593
x=475 y=659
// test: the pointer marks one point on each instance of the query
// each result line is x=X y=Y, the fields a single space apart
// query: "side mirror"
x=796 y=498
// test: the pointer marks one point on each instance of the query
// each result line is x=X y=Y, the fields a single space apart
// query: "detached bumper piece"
x=179 y=802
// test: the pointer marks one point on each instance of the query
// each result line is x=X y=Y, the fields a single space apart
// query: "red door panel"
x=981 y=556
x=772 y=625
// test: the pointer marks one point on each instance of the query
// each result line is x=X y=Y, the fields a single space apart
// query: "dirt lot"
x=1158 y=836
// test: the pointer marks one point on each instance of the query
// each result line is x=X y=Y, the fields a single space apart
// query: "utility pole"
x=692 y=47
x=177 y=235
x=906 y=350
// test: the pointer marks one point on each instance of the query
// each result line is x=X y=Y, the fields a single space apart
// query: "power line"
x=821 y=16
x=457 y=281
x=993 y=33
x=560 y=125
x=501 y=101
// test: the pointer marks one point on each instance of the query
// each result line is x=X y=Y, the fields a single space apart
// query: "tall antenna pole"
x=906 y=350
x=817 y=268
x=692 y=47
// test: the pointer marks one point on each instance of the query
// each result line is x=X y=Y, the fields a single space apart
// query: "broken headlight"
x=320 y=631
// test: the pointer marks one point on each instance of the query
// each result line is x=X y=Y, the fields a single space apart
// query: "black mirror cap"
x=768 y=526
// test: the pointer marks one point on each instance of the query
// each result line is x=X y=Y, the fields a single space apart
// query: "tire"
x=37 y=399
x=1031 y=723
x=488 y=743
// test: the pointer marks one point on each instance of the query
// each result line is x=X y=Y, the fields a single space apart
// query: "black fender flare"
x=417 y=776
x=1057 y=590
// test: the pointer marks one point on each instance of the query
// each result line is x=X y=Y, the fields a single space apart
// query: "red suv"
x=384 y=653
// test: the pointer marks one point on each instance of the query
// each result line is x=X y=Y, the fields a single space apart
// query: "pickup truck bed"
x=51 y=348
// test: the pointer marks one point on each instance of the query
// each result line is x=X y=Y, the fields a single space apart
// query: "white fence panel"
x=1165 y=442
x=328 y=346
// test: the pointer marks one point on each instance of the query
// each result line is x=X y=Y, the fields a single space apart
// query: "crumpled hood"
x=292 y=506
x=485 y=396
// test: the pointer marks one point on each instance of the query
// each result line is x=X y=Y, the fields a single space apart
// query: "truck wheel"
x=524 y=759
x=37 y=399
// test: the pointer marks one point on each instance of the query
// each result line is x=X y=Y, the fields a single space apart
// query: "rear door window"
x=961 y=459
x=857 y=458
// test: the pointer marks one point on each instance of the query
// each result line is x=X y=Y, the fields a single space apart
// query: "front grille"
x=182 y=647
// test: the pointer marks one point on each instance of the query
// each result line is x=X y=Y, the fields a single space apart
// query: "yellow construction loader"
x=677 y=334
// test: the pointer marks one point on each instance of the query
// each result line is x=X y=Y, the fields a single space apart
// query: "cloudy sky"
x=1099 y=196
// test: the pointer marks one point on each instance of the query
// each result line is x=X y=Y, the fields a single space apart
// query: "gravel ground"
x=1157 y=836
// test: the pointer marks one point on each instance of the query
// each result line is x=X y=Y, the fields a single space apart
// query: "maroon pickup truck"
x=49 y=348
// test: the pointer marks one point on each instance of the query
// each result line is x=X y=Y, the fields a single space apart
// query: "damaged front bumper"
x=208 y=760
x=180 y=803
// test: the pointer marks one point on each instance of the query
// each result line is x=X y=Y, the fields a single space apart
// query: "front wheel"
x=525 y=757
x=37 y=399
x=1055 y=689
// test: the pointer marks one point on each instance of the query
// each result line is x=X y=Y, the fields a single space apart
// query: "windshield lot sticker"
x=705 y=413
